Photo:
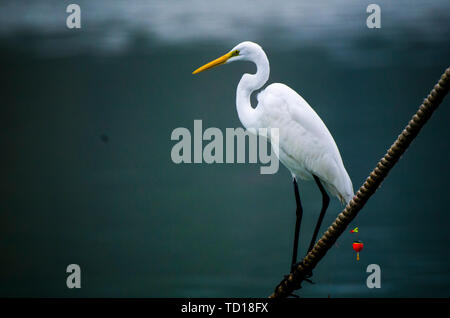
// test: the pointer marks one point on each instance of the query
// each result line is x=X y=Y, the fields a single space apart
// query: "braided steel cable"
x=300 y=273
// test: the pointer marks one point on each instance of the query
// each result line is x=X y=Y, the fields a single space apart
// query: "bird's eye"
x=235 y=53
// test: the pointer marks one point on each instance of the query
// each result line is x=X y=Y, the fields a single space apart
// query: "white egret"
x=306 y=147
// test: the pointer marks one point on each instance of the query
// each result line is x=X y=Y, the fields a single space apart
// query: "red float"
x=358 y=246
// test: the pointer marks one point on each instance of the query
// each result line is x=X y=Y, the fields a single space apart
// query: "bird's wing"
x=284 y=99
x=304 y=138
x=288 y=111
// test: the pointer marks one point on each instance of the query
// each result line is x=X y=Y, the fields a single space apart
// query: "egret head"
x=247 y=51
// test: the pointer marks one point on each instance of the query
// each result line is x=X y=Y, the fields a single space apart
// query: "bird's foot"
x=294 y=266
x=307 y=276
x=296 y=287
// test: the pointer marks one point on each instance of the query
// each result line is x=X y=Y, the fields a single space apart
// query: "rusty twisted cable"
x=297 y=276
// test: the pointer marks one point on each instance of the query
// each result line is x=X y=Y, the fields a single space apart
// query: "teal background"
x=140 y=225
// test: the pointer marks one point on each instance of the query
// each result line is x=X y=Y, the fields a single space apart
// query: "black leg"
x=325 y=202
x=299 y=214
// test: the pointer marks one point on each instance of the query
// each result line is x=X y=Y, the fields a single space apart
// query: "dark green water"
x=141 y=226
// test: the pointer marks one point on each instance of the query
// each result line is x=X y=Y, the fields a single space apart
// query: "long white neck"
x=247 y=85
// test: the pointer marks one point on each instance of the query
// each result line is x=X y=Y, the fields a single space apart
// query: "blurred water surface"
x=85 y=129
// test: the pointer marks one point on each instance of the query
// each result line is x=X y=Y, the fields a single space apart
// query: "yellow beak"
x=221 y=60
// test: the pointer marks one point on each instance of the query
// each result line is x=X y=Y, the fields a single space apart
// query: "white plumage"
x=306 y=147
